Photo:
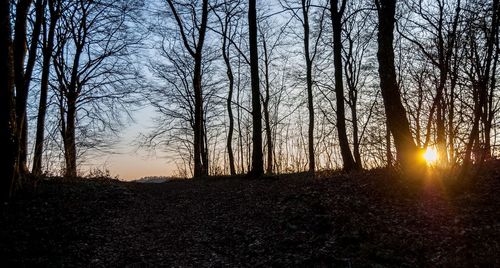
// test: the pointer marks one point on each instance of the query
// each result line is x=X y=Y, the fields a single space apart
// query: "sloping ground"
x=362 y=219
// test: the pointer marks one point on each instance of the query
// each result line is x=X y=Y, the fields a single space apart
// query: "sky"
x=129 y=162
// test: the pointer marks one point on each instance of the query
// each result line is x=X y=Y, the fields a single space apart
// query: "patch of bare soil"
x=342 y=220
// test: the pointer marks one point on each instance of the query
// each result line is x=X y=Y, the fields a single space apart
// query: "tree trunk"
x=70 y=94
x=69 y=138
x=232 y=168
x=44 y=85
x=491 y=108
x=440 y=132
x=489 y=79
x=204 y=149
x=238 y=119
x=269 y=167
x=388 y=153
x=230 y=77
x=399 y=126
x=257 y=161
x=473 y=134
x=265 y=104
x=451 y=127
x=39 y=7
x=443 y=64
x=35 y=36
x=310 y=103
x=22 y=9
x=8 y=140
x=336 y=16
x=200 y=154
x=355 y=135
x=198 y=120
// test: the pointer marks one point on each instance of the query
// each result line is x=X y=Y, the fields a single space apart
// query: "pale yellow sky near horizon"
x=127 y=162
x=130 y=166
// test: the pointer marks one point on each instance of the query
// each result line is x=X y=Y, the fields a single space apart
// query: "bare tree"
x=95 y=78
x=22 y=9
x=195 y=49
x=47 y=50
x=336 y=16
x=270 y=42
x=398 y=124
x=257 y=157
x=228 y=25
x=358 y=38
x=482 y=75
x=303 y=15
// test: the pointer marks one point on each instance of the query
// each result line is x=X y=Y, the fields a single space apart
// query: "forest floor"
x=367 y=218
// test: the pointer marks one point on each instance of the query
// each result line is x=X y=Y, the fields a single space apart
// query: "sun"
x=430 y=155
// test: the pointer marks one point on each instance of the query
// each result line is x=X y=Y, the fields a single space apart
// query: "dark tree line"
x=248 y=87
x=8 y=120
x=340 y=59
